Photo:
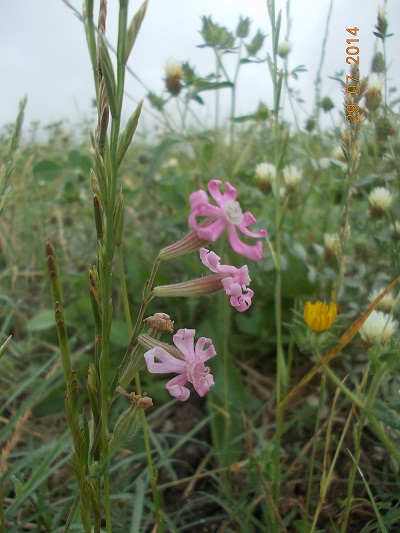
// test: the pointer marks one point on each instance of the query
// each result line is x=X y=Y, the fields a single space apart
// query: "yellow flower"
x=319 y=316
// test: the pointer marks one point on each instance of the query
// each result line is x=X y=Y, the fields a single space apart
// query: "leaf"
x=134 y=28
x=47 y=170
x=128 y=133
x=385 y=414
x=42 y=321
x=202 y=85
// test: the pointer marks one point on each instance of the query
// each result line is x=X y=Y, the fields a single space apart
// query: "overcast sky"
x=43 y=51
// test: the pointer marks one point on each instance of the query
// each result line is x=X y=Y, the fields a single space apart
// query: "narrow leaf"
x=134 y=28
x=128 y=133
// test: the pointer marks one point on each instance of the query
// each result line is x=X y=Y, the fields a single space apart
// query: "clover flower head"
x=190 y=368
x=387 y=302
x=234 y=280
x=380 y=200
x=284 y=49
x=173 y=76
x=265 y=172
x=378 y=327
x=227 y=214
x=292 y=176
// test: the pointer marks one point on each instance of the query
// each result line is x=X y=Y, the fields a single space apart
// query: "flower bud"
x=242 y=30
x=189 y=243
x=128 y=423
x=378 y=63
x=194 y=287
x=327 y=104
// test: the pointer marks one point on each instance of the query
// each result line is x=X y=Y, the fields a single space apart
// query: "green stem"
x=153 y=476
x=2 y=517
x=372 y=420
x=233 y=107
x=315 y=444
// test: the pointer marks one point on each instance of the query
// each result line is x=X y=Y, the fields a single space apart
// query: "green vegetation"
x=301 y=430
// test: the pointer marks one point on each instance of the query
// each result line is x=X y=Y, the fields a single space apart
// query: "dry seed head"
x=160 y=322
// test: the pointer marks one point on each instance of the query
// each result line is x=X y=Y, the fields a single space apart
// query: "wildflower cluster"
x=207 y=222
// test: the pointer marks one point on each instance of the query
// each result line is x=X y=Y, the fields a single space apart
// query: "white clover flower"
x=171 y=163
x=284 y=49
x=265 y=172
x=380 y=200
x=266 y=176
x=378 y=327
x=173 y=68
x=292 y=176
x=387 y=302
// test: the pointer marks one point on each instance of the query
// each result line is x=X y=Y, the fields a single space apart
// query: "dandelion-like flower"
x=234 y=282
x=226 y=215
x=189 y=368
x=319 y=316
x=380 y=201
x=378 y=327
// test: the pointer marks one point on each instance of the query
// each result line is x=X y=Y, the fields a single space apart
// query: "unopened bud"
x=189 y=243
x=194 y=287
x=129 y=422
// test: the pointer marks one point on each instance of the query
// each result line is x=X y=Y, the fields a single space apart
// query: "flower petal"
x=229 y=194
x=251 y=251
x=184 y=341
x=212 y=231
x=167 y=363
x=204 y=354
x=176 y=389
x=203 y=384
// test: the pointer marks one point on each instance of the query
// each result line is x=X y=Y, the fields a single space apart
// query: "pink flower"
x=228 y=215
x=234 y=282
x=190 y=368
